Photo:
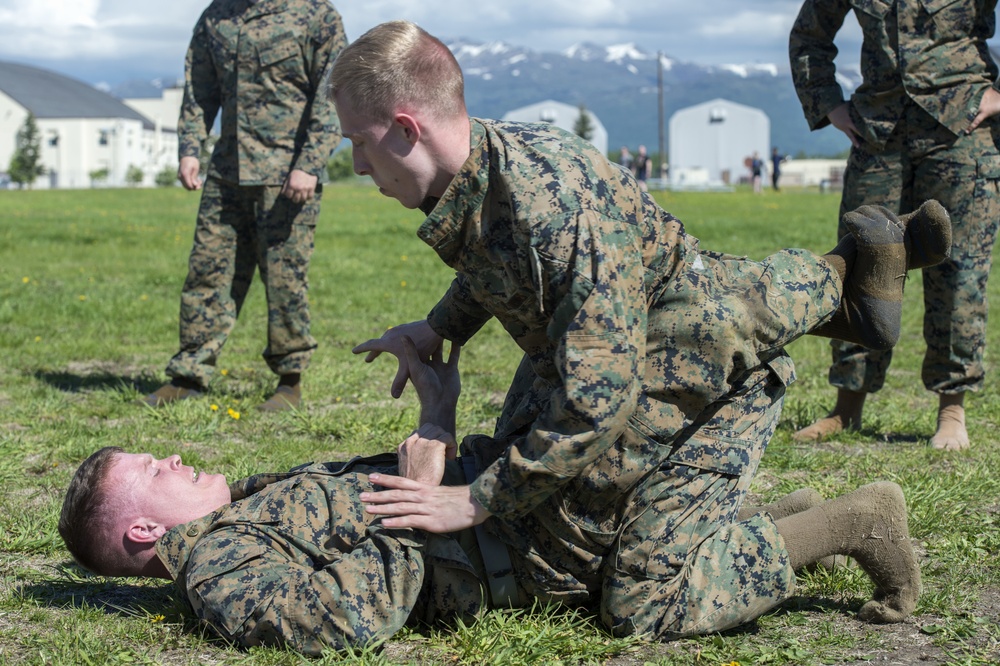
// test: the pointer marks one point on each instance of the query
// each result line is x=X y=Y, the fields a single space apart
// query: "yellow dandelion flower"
x=223 y=372
x=157 y=618
x=214 y=407
x=82 y=297
x=233 y=413
x=177 y=239
x=403 y=258
x=144 y=297
x=403 y=283
x=38 y=338
x=339 y=398
x=26 y=279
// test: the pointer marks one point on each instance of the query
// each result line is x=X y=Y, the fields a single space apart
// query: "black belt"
x=496 y=559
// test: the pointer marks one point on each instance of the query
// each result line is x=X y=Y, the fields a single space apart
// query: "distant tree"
x=583 y=128
x=134 y=175
x=25 y=163
x=340 y=166
x=167 y=177
x=98 y=176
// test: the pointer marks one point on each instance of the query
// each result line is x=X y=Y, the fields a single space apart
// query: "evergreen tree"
x=583 y=128
x=25 y=163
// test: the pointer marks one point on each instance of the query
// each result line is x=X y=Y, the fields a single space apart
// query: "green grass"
x=88 y=318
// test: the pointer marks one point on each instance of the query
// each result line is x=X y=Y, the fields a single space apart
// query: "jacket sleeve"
x=202 y=95
x=458 y=316
x=253 y=593
x=598 y=325
x=325 y=42
x=811 y=54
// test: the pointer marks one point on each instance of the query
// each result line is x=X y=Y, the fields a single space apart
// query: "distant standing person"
x=640 y=167
x=776 y=160
x=263 y=65
x=625 y=158
x=922 y=125
x=756 y=171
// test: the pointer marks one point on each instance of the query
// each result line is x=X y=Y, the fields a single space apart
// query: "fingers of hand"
x=456 y=351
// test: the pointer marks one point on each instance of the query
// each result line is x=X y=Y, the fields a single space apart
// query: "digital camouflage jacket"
x=295 y=560
x=263 y=65
x=629 y=331
x=929 y=52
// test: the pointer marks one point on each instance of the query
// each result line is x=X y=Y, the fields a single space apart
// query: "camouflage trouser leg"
x=924 y=161
x=239 y=230
x=681 y=565
x=285 y=245
x=721 y=317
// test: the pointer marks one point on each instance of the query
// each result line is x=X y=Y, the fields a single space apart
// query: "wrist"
x=439 y=415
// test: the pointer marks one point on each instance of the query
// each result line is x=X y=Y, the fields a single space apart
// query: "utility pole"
x=663 y=144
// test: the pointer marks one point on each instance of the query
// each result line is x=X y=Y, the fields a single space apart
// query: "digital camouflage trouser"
x=683 y=566
x=240 y=230
x=922 y=161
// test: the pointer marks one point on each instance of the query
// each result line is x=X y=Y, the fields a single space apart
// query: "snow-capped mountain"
x=619 y=84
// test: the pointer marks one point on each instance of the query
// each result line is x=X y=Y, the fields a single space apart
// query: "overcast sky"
x=113 y=40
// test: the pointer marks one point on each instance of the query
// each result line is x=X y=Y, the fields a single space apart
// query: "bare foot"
x=951 y=434
x=826 y=426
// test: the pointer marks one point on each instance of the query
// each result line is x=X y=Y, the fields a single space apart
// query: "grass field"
x=89 y=291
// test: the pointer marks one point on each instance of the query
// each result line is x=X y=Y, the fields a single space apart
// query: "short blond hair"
x=398 y=65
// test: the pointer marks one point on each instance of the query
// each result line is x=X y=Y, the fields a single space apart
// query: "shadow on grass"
x=80 y=382
x=112 y=595
x=852 y=438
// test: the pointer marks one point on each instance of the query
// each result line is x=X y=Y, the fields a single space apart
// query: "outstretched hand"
x=409 y=503
x=424 y=339
x=437 y=382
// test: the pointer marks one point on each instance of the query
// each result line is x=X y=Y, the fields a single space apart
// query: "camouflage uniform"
x=926 y=66
x=295 y=560
x=651 y=378
x=262 y=63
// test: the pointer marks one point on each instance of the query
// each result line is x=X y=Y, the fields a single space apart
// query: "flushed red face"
x=165 y=490
x=390 y=153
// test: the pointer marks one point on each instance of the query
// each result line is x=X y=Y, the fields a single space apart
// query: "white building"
x=825 y=173
x=560 y=115
x=82 y=130
x=710 y=143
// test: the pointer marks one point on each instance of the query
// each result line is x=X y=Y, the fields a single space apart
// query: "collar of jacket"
x=174 y=547
x=462 y=203
x=264 y=7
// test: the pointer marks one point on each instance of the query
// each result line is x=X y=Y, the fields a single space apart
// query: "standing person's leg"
x=285 y=245
x=964 y=174
x=220 y=269
x=856 y=371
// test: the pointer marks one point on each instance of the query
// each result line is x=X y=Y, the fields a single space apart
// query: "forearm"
x=201 y=101
x=811 y=54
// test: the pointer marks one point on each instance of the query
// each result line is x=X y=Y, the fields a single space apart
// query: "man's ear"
x=409 y=125
x=142 y=530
